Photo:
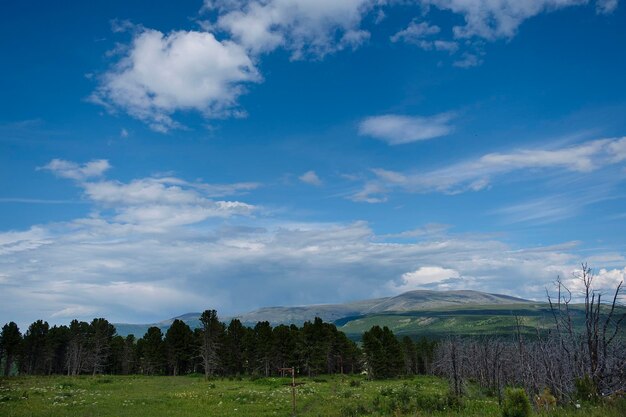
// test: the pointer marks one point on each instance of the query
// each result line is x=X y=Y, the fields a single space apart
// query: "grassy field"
x=137 y=396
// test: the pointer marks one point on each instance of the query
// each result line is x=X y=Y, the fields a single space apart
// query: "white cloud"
x=418 y=34
x=135 y=259
x=154 y=202
x=477 y=174
x=311 y=178
x=133 y=274
x=606 y=6
x=605 y=281
x=75 y=311
x=468 y=60
x=161 y=74
x=398 y=130
x=618 y=149
x=304 y=27
x=74 y=171
x=415 y=32
x=422 y=277
x=493 y=19
x=13 y=242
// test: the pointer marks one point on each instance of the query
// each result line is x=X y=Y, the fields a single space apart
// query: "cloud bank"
x=136 y=258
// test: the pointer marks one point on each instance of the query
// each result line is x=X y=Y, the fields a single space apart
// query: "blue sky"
x=158 y=158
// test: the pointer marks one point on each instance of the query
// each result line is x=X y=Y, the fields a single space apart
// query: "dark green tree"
x=383 y=353
x=152 y=352
x=10 y=344
x=34 y=348
x=409 y=353
x=56 y=349
x=233 y=358
x=129 y=355
x=179 y=347
x=211 y=334
x=77 y=352
x=101 y=333
x=116 y=359
x=284 y=346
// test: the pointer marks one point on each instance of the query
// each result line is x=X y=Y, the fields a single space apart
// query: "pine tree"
x=178 y=342
x=10 y=344
x=101 y=333
x=152 y=351
x=211 y=334
x=33 y=352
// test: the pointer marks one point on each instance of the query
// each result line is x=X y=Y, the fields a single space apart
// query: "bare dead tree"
x=580 y=341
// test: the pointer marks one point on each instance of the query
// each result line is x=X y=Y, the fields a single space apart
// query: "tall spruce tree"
x=211 y=334
x=76 y=352
x=383 y=353
x=179 y=345
x=101 y=333
x=234 y=343
x=152 y=351
x=34 y=348
x=10 y=343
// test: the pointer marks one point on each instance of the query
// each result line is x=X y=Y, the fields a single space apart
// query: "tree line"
x=215 y=349
x=566 y=360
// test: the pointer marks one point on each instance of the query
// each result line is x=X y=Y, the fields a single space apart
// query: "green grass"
x=137 y=396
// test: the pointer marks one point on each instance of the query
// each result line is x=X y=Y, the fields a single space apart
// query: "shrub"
x=355 y=383
x=354 y=410
x=546 y=401
x=516 y=403
x=586 y=390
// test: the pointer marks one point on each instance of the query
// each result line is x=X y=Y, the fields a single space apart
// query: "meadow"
x=190 y=396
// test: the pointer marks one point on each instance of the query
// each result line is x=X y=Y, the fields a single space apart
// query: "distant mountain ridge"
x=411 y=301
x=416 y=300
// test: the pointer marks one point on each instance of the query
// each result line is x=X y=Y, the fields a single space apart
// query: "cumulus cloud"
x=160 y=74
x=311 y=178
x=164 y=73
x=398 y=129
x=425 y=276
x=477 y=174
x=497 y=19
x=305 y=27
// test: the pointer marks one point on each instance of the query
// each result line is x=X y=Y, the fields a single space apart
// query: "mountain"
x=342 y=314
x=417 y=300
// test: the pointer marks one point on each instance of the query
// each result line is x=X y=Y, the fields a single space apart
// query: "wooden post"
x=293 y=388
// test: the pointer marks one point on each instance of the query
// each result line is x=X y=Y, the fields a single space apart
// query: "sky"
x=159 y=157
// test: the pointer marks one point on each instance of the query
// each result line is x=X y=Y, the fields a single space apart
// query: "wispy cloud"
x=398 y=129
x=478 y=174
x=74 y=171
x=20 y=200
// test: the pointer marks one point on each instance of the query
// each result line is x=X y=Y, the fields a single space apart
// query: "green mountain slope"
x=412 y=301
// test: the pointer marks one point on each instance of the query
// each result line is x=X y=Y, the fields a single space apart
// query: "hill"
x=416 y=302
